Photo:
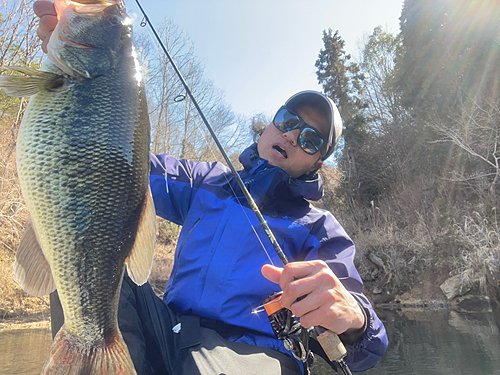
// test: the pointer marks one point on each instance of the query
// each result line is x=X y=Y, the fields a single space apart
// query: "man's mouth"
x=280 y=150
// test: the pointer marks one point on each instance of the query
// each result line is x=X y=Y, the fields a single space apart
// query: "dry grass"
x=404 y=253
x=477 y=239
x=418 y=232
x=166 y=239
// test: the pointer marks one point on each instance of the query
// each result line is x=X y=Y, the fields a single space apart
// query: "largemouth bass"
x=83 y=165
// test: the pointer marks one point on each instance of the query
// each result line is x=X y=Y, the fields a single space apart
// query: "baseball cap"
x=326 y=107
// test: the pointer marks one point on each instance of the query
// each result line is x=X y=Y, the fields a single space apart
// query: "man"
x=221 y=271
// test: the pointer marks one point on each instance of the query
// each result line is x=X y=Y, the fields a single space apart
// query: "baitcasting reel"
x=286 y=327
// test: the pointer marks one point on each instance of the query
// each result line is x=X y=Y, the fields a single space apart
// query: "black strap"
x=224 y=329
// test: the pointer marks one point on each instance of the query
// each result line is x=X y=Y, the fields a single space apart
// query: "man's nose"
x=291 y=136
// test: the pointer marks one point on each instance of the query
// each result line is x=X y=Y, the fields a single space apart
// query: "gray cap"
x=327 y=107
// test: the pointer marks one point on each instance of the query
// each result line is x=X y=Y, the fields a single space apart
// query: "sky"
x=261 y=52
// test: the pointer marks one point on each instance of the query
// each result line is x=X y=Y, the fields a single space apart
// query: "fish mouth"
x=61 y=37
x=64 y=34
x=281 y=150
x=84 y=6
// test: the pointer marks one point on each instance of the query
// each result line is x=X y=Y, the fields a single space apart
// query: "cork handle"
x=332 y=346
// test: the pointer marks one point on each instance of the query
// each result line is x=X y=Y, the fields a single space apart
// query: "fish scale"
x=71 y=191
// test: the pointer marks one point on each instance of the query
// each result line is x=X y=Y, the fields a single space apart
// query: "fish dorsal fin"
x=30 y=266
x=26 y=85
x=140 y=260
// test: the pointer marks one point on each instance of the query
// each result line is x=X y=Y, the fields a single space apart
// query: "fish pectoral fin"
x=26 y=85
x=30 y=265
x=140 y=261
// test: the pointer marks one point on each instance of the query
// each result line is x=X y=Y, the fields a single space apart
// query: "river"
x=421 y=342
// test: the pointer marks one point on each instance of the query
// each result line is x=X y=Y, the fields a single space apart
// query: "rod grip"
x=332 y=345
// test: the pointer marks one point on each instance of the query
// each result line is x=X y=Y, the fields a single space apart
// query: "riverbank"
x=20 y=311
x=425 y=295
x=29 y=321
x=406 y=303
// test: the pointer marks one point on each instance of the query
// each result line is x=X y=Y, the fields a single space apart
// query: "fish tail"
x=69 y=357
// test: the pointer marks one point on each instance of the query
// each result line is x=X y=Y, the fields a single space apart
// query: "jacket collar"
x=275 y=181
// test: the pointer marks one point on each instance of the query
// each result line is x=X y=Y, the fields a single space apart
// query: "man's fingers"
x=43 y=8
x=47 y=25
x=312 y=318
x=45 y=42
x=271 y=273
x=299 y=270
x=303 y=306
x=48 y=21
x=297 y=290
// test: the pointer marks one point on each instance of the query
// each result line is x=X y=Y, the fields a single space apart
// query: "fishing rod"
x=328 y=340
x=249 y=198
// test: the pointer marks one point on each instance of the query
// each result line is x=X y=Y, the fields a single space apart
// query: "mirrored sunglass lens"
x=286 y=121
x=310 y=141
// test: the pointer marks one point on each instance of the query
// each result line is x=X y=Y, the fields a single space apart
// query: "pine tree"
x=341 y=80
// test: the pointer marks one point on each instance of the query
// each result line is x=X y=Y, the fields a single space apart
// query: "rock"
x=377 y=290
x=452 y=287
x=472 y=304
x=383 y=297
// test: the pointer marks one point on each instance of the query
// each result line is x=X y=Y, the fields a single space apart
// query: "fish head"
x=88 y=36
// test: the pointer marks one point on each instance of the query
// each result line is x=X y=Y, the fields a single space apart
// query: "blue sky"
x=260 y=52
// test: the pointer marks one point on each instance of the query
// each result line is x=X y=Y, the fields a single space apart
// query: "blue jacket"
x=216 y=272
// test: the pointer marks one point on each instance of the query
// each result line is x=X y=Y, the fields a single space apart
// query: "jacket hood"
x=279 y=183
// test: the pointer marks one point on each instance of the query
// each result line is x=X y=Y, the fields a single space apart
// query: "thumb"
x=272 y=273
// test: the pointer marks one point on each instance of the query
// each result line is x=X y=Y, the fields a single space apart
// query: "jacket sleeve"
x=174 y=184
x=337 y=250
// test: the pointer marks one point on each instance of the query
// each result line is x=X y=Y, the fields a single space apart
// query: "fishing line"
x=328 y=340
x=200 y=129
x=240 y=182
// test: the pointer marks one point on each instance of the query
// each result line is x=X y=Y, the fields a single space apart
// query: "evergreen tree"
x=341 y=80
x=385 y=157
x=451 y=53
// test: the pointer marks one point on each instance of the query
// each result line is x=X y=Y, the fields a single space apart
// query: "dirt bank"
x=26 y=321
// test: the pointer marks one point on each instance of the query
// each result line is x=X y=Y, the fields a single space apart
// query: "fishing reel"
x=286 y=327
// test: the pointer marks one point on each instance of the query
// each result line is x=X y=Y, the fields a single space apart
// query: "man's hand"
x=48 y=21
x=326 y=302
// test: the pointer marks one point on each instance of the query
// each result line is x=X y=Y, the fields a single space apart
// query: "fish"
x=82 y=157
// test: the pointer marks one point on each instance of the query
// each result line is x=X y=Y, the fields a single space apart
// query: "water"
x=437 y=343
x=24 y=351
x=421 y=342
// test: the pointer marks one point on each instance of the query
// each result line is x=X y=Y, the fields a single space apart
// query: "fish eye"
x=116 y=21
x=57 y=84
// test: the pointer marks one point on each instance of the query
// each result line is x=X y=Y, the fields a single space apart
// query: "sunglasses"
x=310 y=139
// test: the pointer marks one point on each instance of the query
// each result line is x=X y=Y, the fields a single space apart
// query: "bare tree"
x=476 y=130
x=176 y=126
x=19 y=44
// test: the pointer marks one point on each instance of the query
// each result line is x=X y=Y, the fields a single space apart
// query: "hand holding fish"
x=48 y=21
x=327 y=302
